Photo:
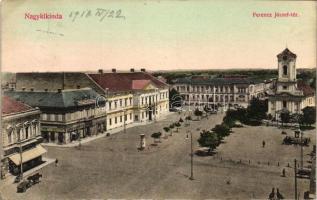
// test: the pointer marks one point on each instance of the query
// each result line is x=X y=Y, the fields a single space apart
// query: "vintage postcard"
x=158 y=99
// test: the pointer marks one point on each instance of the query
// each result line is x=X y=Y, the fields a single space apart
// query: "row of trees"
x=307 y=118
x=212 y=138
x=157 y=135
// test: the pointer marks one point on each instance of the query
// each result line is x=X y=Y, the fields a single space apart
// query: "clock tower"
x=288 y=94
x=286 y=81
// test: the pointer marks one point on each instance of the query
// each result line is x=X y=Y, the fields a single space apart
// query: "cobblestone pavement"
x=113 y=167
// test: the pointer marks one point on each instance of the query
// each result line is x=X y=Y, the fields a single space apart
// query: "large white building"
x=289 y=94
x=218 y=92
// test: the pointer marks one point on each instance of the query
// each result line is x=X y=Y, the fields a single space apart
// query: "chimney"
x=100 y=71
x=132 y=70
x=142 y=69
x=59 y=90
x=114 y=70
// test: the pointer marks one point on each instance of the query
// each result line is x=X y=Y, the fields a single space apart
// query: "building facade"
x=129 y=97
x=218 y=92
x=21 y=137
x=289 y=94
x=119 y=109
x=67 y=115
x=150 y=98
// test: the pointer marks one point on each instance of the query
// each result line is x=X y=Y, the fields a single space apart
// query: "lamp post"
x=301 y=150
x=124 y=120
x=21 y=162
x=295 y=171
x=191 y=157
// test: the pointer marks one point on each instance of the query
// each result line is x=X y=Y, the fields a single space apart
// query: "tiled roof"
x=63 y=99
x=139 y=84
x=286 y=52
x=10 y=106
x=122 y=82
x=307 y=90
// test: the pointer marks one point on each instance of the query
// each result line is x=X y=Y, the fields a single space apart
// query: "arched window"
x=285 y=70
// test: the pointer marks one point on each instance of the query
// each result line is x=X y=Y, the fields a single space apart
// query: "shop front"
x=30 y=158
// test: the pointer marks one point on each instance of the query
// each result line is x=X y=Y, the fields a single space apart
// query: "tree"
x=221 y=130
x=208 y=139
x=188 y=118
x=229 y=121
x=166 y=129
x=198 y=113
x=285 y=117
x=175 y=98
x=309 y=115
x=257 y=109
x=180 y=120
x=156 y=136
x=177 y=124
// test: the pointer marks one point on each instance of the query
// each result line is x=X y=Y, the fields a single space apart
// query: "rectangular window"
x=284 y=104
x=115 y=120
x=110 y=121
x=130 y=116
x=120 y=118
x=120 y=102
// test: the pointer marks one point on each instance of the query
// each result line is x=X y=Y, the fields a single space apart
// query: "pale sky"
x=156 y=35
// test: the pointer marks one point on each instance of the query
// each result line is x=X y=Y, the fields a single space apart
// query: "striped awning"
x=28 y=155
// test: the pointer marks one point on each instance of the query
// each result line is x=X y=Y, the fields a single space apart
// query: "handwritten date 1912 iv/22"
x=98 y=12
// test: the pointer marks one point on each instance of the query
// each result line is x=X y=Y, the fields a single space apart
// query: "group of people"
x=275 y=196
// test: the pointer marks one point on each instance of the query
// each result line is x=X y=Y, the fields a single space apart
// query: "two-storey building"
x=218 y=92
x=21 y=136
x=67 y=115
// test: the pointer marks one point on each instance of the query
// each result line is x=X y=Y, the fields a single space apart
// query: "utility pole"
x=301 y=150
x=295 y=170
x=124 y=120
x=21 y=164
x=191 y=157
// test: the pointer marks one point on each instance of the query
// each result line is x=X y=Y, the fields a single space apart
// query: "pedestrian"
x=56 y=162
x=283 y=172
x=263 y=143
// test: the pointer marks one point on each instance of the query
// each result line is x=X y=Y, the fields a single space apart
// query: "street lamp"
x=21 y=163
x=191 y=157
x=295 y=170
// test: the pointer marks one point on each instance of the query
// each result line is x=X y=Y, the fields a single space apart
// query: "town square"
x=158 y=100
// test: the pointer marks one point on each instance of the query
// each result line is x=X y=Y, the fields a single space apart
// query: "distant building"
x=218 y=92
x=67 y=115
x=289 y=94
x=20 y=131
